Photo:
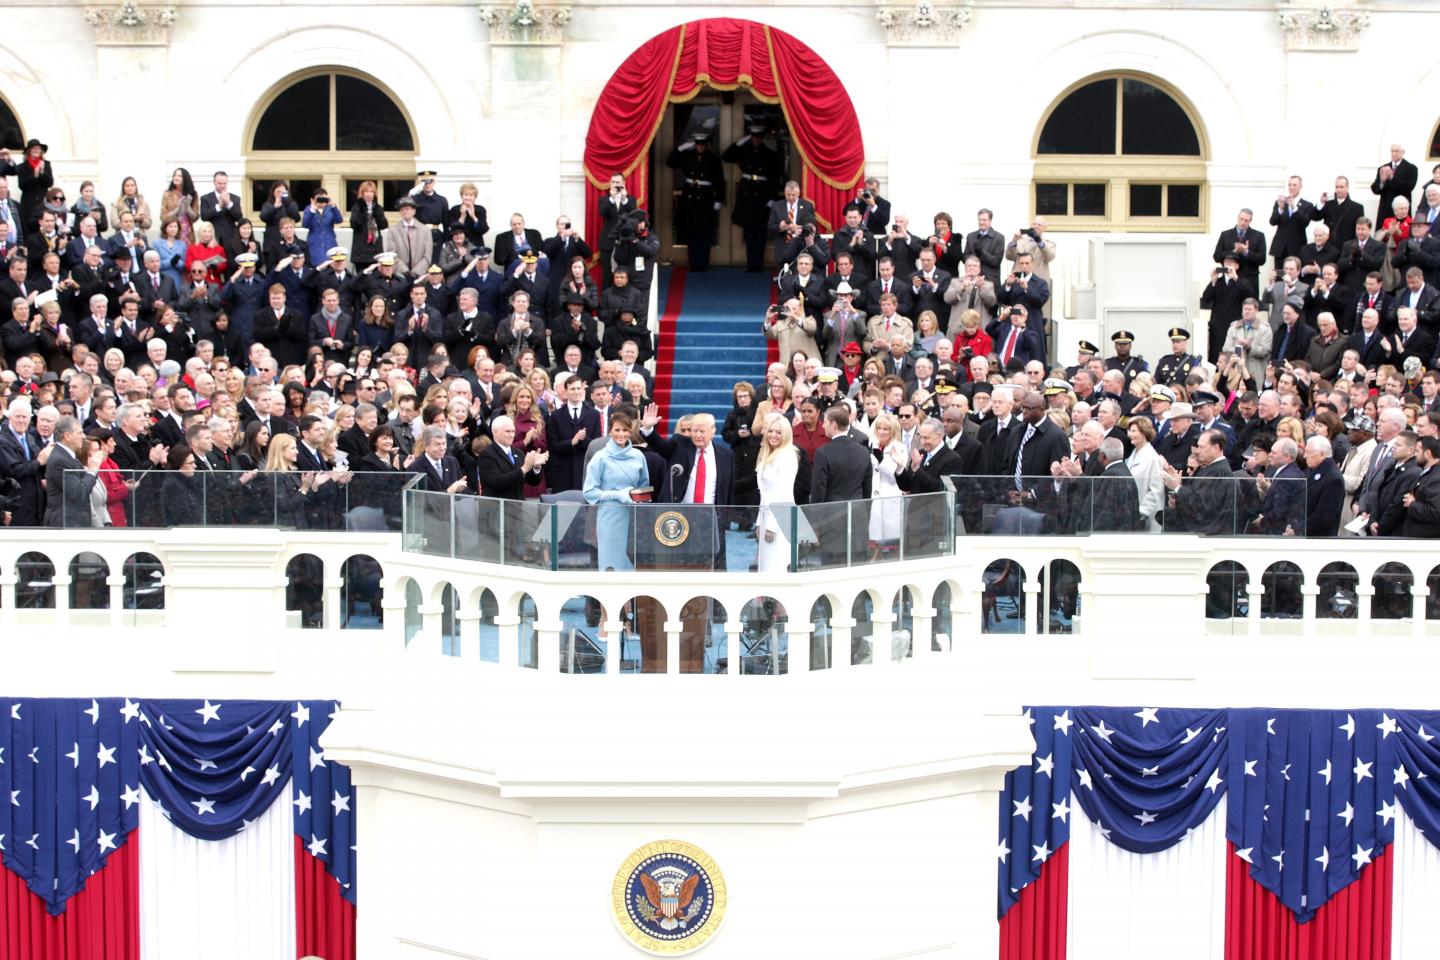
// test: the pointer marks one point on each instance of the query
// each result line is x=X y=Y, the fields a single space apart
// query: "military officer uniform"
x=759 y=183
x=1177 y=366
x=1084 y=351
x=430 y=209
x=701 y=183
x=1123 y=361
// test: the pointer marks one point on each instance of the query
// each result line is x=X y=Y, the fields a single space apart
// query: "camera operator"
x=636 y=247
x=857 y=241
x=614 y=206
x=792 y=327
x=1042 y=251
x=900 y=246
x=874 y=209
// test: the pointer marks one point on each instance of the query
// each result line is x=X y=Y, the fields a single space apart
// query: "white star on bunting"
x=1063 y=723
x=207 y=713
x=1147 y=716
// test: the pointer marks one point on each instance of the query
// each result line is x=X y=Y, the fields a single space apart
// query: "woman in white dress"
x=775 y=470
x=887 y=511
x=1148 y=469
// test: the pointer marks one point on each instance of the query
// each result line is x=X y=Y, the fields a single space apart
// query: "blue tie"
x=1284 y=342
x=509 y=452
x=24 y=445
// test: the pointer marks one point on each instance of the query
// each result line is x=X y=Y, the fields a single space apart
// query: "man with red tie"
x=699 y=472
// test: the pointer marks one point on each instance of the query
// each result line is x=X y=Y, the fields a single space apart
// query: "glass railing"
x=1067 y=506
x=656 y=536
x=332 y=500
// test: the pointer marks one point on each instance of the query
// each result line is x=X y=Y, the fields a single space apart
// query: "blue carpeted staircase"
x=717 y=339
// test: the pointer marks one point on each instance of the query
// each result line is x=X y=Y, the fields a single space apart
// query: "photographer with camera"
x=1033 y=242
x=874 y=209
x=614 y=206
x=320 y=218
x=807 y=286
x=702 y=192
x=898 y=245
x=636 y=249
x=792 y=327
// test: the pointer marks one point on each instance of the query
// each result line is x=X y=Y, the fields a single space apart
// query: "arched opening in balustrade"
x=1432 y=600
x=862 y=611
x=583 y=641
x=305 y=590
x=144 y=582
x=487 y=627
x=88 y=589
x=1060 y=596
x=1392 y=599
x=34 y=582
x=1338 y=598
x=942 y=628
x=413 y=619
x=820 y=633
x=361 y=593
x=1283 y=600
x=764 y=646
x=902 y=631
x=1002 y=604
x=642 y=634
x=449 y=599
x=702 y=636
x=1227 y=591
x=526 y=637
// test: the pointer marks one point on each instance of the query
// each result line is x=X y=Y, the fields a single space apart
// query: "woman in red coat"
x=205 y=250
x=117 y=491
x=971 y=341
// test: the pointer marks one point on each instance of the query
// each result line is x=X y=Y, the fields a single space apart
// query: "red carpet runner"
x=665 y=346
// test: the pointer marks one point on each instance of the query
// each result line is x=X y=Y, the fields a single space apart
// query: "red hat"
x=853 y=348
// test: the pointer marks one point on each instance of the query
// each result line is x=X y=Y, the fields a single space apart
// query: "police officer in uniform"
x=702 y=189
x=760 y=180
x=1123 y=361
x=1084 y=350
x=1179 y=365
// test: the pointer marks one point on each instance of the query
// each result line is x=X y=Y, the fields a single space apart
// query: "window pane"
x=367 y=119
x=1051 y=199
x=390 y=191
x=1184 y=200
x=1434 y=144
x=1084 y=122
x=1089 y=199
x=1145 y=199
x=1154 y=123
x=301 y=189
x=10 y=133
x=298 y=119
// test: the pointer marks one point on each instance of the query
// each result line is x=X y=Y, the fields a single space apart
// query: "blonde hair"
x=886 y=420
x=1292 y=428
x=787 y=440
x=280 y=445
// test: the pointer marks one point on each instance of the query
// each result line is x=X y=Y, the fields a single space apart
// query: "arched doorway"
x=329 y=127
x=11 y=133
x=736 y=67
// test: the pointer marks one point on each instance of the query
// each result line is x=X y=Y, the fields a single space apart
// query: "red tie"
x=699 y=476
x=1009 y=350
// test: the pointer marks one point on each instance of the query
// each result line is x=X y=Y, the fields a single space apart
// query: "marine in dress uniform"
x=1176 y=367
x=1123 y=361
x=759 y=182
x=702 y=189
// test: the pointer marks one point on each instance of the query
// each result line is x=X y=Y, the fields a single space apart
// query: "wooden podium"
x=677 y=536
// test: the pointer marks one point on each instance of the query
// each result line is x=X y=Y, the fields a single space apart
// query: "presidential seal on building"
x=669 y=898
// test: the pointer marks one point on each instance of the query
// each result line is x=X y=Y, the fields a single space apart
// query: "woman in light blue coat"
x=612 y=474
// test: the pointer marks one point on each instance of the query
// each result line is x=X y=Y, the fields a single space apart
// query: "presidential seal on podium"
x=669 y=898
x=672 y=528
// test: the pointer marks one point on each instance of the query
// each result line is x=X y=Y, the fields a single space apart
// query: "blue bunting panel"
x=72 y=772
x=1313 y=794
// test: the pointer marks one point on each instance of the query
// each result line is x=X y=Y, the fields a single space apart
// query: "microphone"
x=675 y=472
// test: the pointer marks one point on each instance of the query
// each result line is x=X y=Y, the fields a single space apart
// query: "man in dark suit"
x=855 y=239
x=804 y=282
x=1317 y=253
x=614 y=206
x=1371 y=297
x=899 y=245
x=699 y=472
x=1014 y=338
x=1115 y=501
x=222 y=209
x=1246 y=245
x=520 y=238
x=887 y=282
x=21 y=459
x=10 y=212
x=156 y=290
x=1368 y=340
x=67 y=481
x=1420 y=297
x=927 y=288
x=1205 y=501
x=788 y=218
x=1360 y=256
x=308 y=457
x=845 y=273
x=930 y=463
x=1394 y=179
x=1328 y=295
x=1324 y=489
x=986 y=243
x=1397 y=478
x=504 y=471
x=332 y=329
x=1290 y=216
x=438 y=472
x=841 y=473
x=1340 y=212
x=1410 y=341
x=1421 y=250
x=1291 y=336
x=1283 y=509
x=1033 y=447
x=567 y=432
x=1024 y=286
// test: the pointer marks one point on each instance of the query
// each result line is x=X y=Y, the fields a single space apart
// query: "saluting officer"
x=759 y=183
x=1180 y=363
x=430 y=209
x=1123 y=361
x=1084 y=350
x=702 y=188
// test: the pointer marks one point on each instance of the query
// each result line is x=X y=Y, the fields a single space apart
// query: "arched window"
x=10 y=132
x=330 y=128
x=1120 y=152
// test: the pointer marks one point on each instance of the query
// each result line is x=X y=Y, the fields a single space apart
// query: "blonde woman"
x=887 y=458
x=1291 y=428
x=133 y=202
x=775 y=470
x=777 y=401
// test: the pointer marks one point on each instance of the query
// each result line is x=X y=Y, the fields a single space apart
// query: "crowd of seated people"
x=147 y=351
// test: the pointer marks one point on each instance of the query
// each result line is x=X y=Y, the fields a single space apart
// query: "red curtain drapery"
x=1353 y=925
x=725 y=54
x=101 y=922
x=324 y=920
x=1035 y=928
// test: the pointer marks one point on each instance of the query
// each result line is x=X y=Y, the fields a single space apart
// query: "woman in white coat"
x=775 y=471
x=887 y=511
x=1148 y=469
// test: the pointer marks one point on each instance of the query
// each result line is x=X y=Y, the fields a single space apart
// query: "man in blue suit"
x=1014 y=338
x=1283 y=510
